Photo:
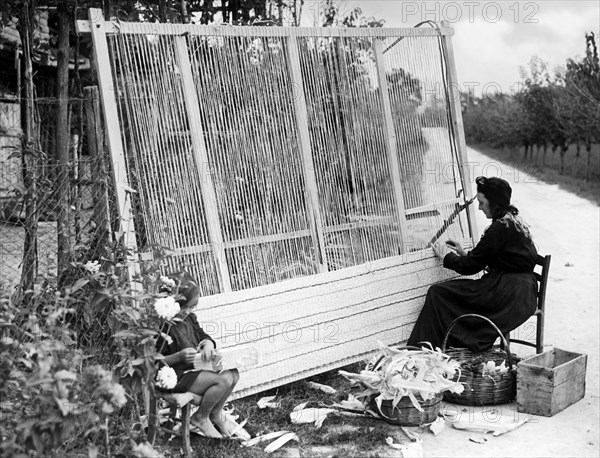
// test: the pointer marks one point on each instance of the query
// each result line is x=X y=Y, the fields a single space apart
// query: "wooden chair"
x=176 y=402
x=542 y=278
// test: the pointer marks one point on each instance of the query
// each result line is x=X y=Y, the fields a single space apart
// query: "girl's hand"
x=187 y=355
x=207 y=350
x=456 y=247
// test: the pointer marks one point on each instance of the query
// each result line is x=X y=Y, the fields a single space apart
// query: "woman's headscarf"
x=498 y=192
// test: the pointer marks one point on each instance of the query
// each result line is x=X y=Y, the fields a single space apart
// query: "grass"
x=339 y=436
x=572 y=179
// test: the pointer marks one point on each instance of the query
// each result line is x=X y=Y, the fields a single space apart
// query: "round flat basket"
x=482 y=389
x=406 y=414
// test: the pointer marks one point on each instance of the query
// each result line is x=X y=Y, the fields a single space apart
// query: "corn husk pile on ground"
x=396 y=373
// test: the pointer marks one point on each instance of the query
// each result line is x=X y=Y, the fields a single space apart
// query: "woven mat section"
x=306 y=326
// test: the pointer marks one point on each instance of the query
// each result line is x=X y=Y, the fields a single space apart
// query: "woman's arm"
x=491 y=244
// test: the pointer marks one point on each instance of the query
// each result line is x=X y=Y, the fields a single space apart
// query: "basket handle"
x=474 y=315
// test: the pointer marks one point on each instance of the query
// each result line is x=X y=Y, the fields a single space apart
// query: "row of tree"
x=550 y=111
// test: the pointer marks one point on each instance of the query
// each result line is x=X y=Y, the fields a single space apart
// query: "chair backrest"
x=542 y=278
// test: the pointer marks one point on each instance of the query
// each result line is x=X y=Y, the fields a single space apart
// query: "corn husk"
x=277 y=444
x=324 y=388
x=316 y=416
x=497 y=428
x=268 y=401
x=263 y=438
x=417 y=374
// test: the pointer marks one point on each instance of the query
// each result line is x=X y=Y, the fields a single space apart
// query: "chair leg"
x=172 y=421
x=152 y=420
x=185 y=430
x=539 y=347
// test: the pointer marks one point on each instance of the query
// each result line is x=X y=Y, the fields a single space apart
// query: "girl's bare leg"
x=217 y=416
x=212 y=387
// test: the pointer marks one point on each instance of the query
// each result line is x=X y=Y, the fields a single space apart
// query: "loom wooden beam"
x=207 y=188
x=236 y=31
x=308 y=166
x=391 y=148
x=458 y=129
x=115 y=145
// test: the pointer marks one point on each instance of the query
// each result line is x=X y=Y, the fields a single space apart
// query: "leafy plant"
x=56 y=395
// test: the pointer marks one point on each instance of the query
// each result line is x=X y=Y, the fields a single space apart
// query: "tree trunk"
x=588 y=161
x=563 y=151
x=293 y=8
x=185 y=18
x=30 y=149
x=299 y=15
x=576 y=160
x=225 y=11
x=109 y=9
x=62 y=140
x=95 y=136
x=544 y=151
x=280 y=12
x=80 y=136
x=162 y=10
x=234 y=9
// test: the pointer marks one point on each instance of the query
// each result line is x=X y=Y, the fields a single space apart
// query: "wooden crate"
x=550 y=382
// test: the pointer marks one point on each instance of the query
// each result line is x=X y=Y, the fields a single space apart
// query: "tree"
x=539 y=116
x=582 y=86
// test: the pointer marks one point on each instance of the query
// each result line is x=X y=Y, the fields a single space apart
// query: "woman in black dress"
x=506 y=293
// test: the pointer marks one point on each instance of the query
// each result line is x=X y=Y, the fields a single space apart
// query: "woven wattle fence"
x=298 y=173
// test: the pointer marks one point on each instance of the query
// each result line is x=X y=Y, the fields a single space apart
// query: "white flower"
x=168 y=281
x=166 y=378
x=166 y=307
x=92 y=267
x=490 y=368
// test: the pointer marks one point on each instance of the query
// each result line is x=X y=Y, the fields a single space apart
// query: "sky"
x=492 y=39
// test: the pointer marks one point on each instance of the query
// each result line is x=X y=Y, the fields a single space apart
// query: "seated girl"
x=187 y=340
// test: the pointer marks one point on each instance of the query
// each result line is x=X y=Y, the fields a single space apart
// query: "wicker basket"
x=488 y=389
x=406 y=414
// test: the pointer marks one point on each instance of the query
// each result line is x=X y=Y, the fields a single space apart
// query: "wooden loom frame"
x=304 y=344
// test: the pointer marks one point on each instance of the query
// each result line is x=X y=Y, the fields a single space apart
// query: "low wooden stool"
x=175 y=401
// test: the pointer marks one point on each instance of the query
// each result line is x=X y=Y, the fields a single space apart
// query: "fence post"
x=61 y=154
x=95 y=136
x=391 y=146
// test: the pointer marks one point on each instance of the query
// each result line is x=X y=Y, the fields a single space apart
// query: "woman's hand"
x=207 y=350
x=440 y=249
x=456 y=247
